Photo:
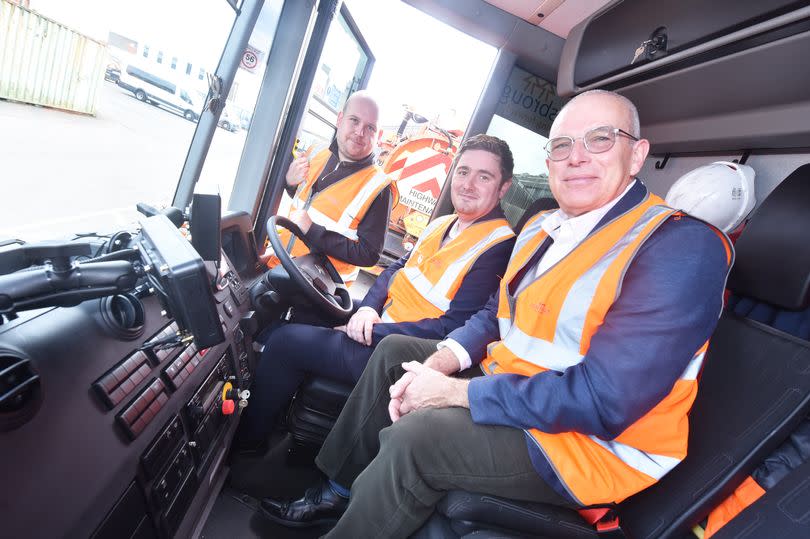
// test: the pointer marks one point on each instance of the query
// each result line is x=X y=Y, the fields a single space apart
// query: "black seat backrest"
x=541 y=204
x=755 y=387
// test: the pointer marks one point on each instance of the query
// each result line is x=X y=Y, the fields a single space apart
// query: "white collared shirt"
x=567 y=232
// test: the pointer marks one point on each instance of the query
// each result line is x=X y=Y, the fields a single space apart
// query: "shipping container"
x=43 y=62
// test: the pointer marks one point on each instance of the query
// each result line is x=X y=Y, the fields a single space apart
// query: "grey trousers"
x=399 y=472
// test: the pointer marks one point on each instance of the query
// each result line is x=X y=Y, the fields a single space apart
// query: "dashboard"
x=116 y=426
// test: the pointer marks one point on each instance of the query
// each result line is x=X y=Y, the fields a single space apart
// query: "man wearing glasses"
x=590 y=351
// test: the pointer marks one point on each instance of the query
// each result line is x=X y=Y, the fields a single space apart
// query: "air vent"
x=20 y=394
x=124 y=315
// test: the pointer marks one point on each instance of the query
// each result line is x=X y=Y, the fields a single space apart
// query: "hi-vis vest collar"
x=339 y=208
x=548 y=325
x=428 y=282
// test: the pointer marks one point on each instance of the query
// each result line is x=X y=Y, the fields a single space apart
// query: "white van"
x=150 y=88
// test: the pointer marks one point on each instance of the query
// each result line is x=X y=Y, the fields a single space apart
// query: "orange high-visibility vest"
x=548 y=325
x=428 y=282
x=339 y=208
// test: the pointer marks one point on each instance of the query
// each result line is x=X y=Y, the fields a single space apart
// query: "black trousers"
x=399 y=472
x=291 y=353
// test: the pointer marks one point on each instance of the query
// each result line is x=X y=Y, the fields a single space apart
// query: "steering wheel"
x=313 y=273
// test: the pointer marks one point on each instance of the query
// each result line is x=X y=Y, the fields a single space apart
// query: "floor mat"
x=284 y=471
x=237 y=515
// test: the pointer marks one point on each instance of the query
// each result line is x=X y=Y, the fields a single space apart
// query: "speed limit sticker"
x=249 y=60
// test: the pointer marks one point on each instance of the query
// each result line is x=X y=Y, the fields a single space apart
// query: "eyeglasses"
x=597 y=140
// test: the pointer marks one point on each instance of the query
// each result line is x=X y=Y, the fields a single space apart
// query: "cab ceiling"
x=555 y=16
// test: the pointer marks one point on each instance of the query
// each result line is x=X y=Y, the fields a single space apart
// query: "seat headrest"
x=773 y=251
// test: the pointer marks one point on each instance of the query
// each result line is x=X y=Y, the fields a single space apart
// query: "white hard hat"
x=721 y=193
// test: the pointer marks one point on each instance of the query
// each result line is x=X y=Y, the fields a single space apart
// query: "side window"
x=523 y=117
x=342 y=64
x=341 y=68
x=222 y=162
x=146 y=51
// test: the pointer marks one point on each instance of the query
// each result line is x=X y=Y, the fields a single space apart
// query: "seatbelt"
x=311 y=151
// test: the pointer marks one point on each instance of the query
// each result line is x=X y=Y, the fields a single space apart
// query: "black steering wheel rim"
x=338 y=303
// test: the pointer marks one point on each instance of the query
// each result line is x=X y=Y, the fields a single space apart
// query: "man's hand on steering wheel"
x=314 y=274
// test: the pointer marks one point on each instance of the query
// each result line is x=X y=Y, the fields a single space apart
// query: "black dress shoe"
x=320 y=505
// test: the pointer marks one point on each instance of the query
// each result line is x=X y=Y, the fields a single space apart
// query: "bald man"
x=341 y=200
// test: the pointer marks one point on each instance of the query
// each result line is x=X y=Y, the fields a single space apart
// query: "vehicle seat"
x=754 y=391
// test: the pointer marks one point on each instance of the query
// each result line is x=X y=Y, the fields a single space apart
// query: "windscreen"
x=99 y=101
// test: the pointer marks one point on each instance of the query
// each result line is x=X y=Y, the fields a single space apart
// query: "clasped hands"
x=425 y=387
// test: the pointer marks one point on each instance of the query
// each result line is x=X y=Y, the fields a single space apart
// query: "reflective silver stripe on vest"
x=503 y=327
x=369 y=190
x=335 y=226
x=529 y=231
x=656 y=466
x=571 y=320
x=430 y=228
x=425 y=288
x=693 y=368
x=438 y=294
x=453 y=271
x=541 y=353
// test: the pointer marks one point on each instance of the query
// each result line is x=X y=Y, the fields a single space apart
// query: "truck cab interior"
x=125 y=361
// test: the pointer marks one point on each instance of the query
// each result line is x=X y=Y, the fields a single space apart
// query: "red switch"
x=228 y=406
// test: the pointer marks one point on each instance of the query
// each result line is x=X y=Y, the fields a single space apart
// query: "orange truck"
x=419 y=163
